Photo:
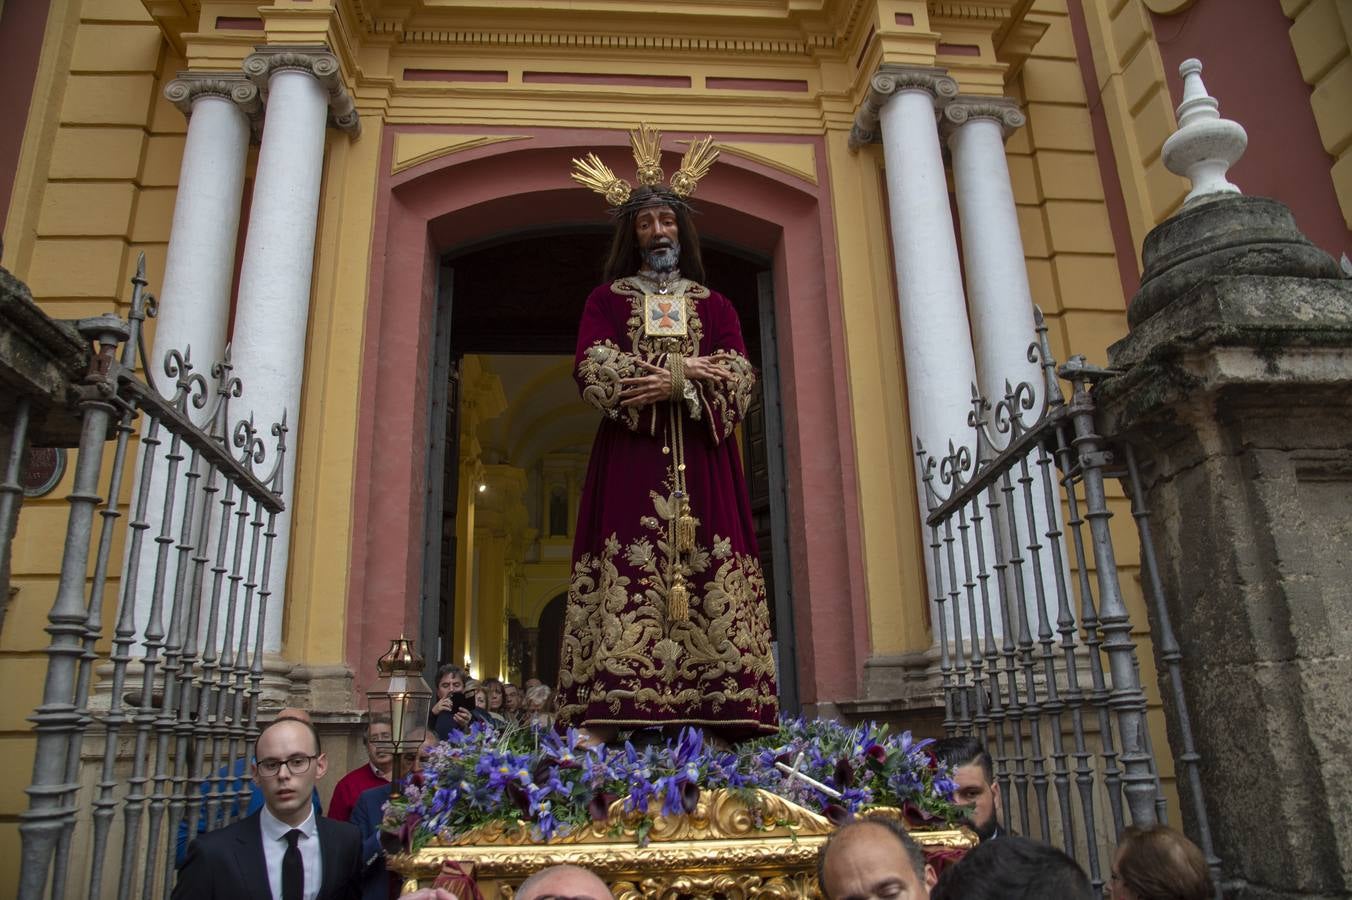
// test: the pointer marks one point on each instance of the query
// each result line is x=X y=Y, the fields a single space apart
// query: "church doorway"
x=510 y=439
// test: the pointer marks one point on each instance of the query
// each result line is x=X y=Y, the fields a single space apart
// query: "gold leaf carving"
x=728 y=846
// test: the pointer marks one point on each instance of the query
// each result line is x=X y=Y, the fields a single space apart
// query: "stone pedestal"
x=1237 y=397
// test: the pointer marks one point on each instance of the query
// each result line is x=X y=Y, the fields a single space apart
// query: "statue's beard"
x=663 y=255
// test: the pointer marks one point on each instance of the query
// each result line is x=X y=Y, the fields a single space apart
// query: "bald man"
x=234 y=777
x=285 y=851
x=572 y=882
x=873 y=858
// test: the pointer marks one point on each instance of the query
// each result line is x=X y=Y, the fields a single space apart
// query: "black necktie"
x=293 y=869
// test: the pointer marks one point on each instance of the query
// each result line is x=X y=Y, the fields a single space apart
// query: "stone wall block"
x=1237 y=397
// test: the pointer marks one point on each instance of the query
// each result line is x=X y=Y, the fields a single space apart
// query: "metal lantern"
x=402 y=695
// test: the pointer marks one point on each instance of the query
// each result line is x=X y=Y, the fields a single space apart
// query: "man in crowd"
x=367 y=814
x=375 y=772
x=873 y=858
x=236 y=774
x=285 y=850
x=1014 y=868
x=970 y=767
x=572 y=882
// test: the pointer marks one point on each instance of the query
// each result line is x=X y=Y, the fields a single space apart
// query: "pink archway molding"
x=516 y=184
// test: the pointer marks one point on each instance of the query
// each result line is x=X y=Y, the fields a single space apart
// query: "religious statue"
x=667 y=623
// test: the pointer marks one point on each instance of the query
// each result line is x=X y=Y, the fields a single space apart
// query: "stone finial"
x=1205 y=145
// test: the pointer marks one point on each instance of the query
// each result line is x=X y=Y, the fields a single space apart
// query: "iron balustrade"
x=1037 y=657
x=175 y=702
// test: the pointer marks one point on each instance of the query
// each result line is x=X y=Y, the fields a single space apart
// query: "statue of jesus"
x=667 y=623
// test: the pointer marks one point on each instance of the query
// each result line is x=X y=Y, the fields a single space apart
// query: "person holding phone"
x=453 y=708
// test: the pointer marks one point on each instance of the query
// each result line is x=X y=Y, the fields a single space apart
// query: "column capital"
x=966 y=108
x=187 y=87
x=315 y=59
x=891 y=79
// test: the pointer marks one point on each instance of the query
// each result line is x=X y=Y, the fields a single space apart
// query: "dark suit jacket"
x=366 y=816
x=228 y=863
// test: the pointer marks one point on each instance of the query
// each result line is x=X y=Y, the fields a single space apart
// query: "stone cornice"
x=319 y=62
x=889 y=80
x=184 y=90
x=964 y=109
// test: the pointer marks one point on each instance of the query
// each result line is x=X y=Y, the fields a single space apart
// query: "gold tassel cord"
x=678 y=601
x=685 y=528
x=681 y=530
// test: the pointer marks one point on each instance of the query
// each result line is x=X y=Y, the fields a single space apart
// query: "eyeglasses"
x=296 y=764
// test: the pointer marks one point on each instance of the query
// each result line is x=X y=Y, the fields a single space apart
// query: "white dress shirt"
x=274 y=848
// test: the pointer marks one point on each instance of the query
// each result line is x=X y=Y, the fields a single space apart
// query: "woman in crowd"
x=539 y=706
x=1159 y=863
x=495 y=701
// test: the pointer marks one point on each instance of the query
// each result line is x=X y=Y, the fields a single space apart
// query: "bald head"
x=873 y=858
x=563 y=883
x=294 y=712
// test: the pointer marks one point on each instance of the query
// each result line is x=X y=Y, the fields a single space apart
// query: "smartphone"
x=462 y=700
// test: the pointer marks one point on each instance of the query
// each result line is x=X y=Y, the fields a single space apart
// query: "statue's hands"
x=642 y=390
x=707 y=368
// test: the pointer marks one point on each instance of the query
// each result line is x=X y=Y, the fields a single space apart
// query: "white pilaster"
x=272 y=314
x=999 y=299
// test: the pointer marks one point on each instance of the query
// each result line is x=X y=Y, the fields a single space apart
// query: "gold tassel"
x=685 y=529
x=678 y=601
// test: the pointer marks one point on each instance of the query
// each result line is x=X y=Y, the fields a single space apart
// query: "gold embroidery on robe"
x=619 y=626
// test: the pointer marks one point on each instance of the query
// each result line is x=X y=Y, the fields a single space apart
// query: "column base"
x=902 y=690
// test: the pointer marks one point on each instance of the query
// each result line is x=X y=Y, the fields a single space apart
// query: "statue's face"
x=658 y=237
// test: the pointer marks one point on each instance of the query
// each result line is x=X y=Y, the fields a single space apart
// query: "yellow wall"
x=1321 y=33
x=1138 y=109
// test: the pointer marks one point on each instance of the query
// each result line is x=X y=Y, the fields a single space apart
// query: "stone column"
x=194 y=308
x=1000 y=303
x=999 y=299
x=200 y=263
x=304 y=91
x=936 y=339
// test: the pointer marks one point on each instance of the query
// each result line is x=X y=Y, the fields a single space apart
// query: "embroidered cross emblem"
x=664 y=315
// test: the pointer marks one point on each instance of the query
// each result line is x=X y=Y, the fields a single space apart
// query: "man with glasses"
x=563 y=883
x=366 y=815
x=284 y=851
x=373 y=773
x=233 y=777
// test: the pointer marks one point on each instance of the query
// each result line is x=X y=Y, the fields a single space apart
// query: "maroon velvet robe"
x=625 y=661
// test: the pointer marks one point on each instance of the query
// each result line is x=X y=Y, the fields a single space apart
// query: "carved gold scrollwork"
x=735 y=845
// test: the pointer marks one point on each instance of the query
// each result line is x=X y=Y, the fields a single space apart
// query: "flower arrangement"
x=546 y=782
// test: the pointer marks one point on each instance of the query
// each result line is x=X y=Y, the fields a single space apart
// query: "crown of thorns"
x=646 y=142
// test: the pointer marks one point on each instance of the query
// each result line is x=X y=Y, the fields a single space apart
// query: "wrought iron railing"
x=1037 y=657
x=160 y=728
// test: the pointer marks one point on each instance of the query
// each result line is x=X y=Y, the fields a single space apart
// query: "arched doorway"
x=547 y=640
x=502 y=187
